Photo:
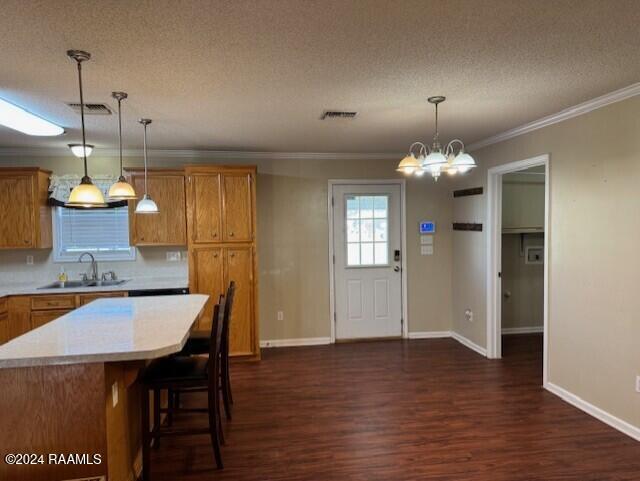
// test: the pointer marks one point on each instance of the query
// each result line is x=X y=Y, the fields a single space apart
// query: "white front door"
x=367 y=238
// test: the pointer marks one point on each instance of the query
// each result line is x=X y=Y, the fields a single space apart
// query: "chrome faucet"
x=94 y=266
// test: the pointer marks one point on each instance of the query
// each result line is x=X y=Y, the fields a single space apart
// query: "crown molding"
x=580 y=109
x=159 y=155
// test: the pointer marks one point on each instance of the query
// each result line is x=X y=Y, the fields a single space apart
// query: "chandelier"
x=436 y=160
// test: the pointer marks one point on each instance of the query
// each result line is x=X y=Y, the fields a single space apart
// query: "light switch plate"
x=29 y=260
x=426 y=240
x=637 y=383
x=426 y=250
x=280 y=316
x=173 y=256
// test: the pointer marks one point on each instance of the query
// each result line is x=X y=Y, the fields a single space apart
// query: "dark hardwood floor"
x=401 y=410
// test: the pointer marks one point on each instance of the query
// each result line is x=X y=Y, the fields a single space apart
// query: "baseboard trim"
x=522 y=330
x=607 y=418
x=429 y=334
x=468 y=343
x=303 y=341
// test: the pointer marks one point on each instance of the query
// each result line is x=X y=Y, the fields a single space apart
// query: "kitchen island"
x=69 y=387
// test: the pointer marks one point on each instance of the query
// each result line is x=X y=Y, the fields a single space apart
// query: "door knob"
x=396 y=268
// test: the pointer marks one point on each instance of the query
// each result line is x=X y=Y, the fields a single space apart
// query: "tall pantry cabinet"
x=221 y=239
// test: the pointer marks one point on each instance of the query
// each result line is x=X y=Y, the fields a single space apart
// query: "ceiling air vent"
x=337 y=114
x=92 y=109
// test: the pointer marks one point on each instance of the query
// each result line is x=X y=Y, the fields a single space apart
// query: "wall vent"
x=91 y=109
x=337 y=114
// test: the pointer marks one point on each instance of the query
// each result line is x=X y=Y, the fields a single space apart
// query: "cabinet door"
x=17 y=222
x=206 y=272
x=205 y=208
x=40 y=318
x=4 y=327
x=237 y=210
x=169 y=226
x=239 y=268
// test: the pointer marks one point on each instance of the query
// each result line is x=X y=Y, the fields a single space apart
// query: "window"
x=103 y=232
x=367 y=230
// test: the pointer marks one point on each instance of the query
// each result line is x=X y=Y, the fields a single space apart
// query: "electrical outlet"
x=637 y=383
x=280 y=316
x=468 y=315
x=173 y=256
x=29 y=260
x=114 y=393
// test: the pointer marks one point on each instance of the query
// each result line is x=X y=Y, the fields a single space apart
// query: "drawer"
x=41 y=303
x=87 y=298
x=40 y=318
x=3 y=305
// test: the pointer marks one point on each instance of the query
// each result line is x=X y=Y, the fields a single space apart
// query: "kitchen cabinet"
x=523 y=207
x=221 y=226
x=26 y=218
x=20 y=314
x=169 y=226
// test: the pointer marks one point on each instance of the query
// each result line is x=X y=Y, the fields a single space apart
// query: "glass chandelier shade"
x=409 y=165
x=79 y=151
x=86 y=194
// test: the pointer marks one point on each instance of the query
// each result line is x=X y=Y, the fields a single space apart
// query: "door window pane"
x=367 y=230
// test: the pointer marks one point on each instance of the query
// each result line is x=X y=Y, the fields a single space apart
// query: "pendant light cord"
x=436 y=137
x=84 y=141
x=120 y=131
x=145 y=159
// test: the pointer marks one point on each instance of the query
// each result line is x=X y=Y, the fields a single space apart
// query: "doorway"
x=367 y=259
x=517 y=251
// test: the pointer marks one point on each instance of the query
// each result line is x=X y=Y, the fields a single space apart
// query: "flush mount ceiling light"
x=146 y=204
x=17 y=118
x=86 y=194
x=79 y=151
x=121 y=190
x=435 y=160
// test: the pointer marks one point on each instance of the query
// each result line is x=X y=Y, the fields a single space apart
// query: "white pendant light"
x=435 y=160
x=146 y=204
x=85 y=195
x=121 y=190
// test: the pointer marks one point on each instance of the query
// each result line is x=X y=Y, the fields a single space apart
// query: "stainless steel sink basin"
x=76 y=284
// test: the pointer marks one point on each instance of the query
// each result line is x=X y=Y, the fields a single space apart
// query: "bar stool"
x=176 y=373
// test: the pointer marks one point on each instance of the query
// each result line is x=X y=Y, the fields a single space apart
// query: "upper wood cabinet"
x=220 y=204
x=25 y=222
x=169 y=226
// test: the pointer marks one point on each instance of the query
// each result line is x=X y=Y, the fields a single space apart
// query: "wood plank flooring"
x=401 y=410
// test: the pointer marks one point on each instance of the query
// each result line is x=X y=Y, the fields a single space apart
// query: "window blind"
x=104 y=232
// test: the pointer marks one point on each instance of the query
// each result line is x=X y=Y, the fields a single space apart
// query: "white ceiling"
x=256 y=75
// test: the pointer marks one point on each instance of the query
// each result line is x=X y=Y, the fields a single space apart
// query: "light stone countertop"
x=151 y=283
x=108 y=330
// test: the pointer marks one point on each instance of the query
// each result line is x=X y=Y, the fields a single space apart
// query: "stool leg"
x=170 y=405
x=146 y=438
x=156 y=417
x=214 y=422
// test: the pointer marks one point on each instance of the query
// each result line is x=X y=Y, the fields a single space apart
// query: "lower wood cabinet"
x=24 y=313
x=211 y=269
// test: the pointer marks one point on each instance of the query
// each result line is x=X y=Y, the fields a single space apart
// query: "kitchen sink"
x=76 y=284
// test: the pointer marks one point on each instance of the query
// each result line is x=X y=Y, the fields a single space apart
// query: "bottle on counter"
x=62 y=277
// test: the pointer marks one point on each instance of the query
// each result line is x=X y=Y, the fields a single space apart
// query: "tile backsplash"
x=150 y=262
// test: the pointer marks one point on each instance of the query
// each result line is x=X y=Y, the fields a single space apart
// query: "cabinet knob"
x=215 y=255
x=230 y=234
x=232 y=254
x=214 y=234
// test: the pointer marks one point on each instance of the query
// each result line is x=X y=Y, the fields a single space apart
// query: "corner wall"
x=594 y=320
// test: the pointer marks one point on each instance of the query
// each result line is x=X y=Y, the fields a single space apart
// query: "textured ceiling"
x=256 y=75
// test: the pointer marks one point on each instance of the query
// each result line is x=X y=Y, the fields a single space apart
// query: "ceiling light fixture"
x=146 y=204
x=121 y=190
x=19 y=119
x=435 y=160
x=78 y=150
x=86 y=194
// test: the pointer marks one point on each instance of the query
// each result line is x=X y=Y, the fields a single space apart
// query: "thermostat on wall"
x=427 y=227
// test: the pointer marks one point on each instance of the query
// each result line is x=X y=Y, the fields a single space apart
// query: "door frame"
x=403 y=237
x=494 y=255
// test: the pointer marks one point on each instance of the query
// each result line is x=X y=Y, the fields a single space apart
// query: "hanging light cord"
x=120 y=131
x=84 y=141
x=436 y=137
x=145 y=158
